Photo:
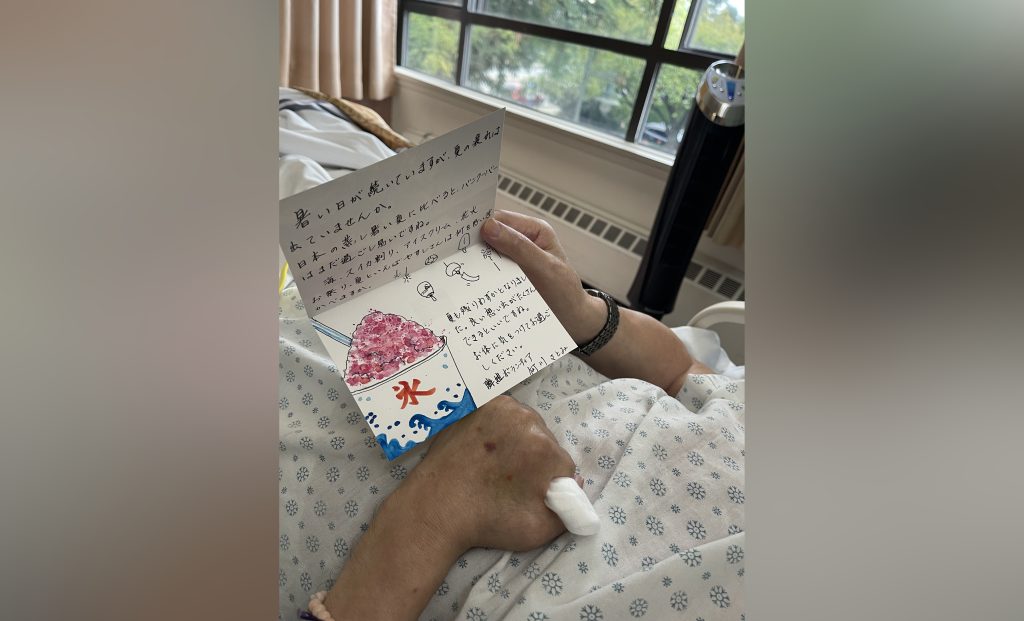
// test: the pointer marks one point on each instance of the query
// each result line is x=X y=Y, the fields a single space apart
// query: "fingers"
x=540 y=444
x=570 y=467
x=568 y=501
x=546 y=445
x=508 y=241
x=565 y=465
x=550 y=524
x=535 y=229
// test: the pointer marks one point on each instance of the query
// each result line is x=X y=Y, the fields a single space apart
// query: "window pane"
x=633 y=20
x=718 y=26
x=676 y=25
x=432 y=45
x=579 y=84
x=669 y=106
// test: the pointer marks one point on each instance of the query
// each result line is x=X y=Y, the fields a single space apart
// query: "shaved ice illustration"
x=403 y=378
x=383 y=344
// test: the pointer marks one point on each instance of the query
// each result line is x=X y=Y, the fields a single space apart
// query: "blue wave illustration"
x=456 y=411
x=393 y=448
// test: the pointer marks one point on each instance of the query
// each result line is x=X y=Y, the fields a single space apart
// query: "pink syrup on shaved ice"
x=383 y=344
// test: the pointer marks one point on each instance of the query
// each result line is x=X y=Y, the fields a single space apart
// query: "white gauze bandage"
x=571 y=505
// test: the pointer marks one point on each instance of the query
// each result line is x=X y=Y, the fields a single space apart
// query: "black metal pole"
x=709 y=145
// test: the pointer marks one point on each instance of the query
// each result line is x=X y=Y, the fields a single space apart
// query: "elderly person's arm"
x=642 y=347
x=482 y=483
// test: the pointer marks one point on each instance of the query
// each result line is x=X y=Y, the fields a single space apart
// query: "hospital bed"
x=326 y=459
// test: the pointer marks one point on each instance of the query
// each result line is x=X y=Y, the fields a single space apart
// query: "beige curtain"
x=726 y=224
x=343 y=48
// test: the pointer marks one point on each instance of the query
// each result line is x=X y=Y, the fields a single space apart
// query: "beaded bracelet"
x=317 y=610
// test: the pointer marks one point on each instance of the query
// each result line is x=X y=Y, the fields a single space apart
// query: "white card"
x=424 y=321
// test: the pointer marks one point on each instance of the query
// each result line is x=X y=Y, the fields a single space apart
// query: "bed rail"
x=723 y=312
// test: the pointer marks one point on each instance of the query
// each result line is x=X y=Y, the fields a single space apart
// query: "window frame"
x=653 y=54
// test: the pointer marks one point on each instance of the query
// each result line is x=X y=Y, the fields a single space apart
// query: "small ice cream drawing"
x=455 y=269
x=426 y=290
x=403 y=378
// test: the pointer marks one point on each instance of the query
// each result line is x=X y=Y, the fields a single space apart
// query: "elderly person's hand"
x=482 y=483
x=487 y=477
x=642 y=347
x=533 y=244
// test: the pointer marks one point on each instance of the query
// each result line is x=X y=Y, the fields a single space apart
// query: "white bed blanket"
x=316 y=143
x=665 y=474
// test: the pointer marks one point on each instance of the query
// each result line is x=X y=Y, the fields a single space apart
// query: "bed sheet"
x=665 y=474
x=317 y=142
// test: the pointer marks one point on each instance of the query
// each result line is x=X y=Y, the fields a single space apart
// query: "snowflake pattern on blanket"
x=665 y=474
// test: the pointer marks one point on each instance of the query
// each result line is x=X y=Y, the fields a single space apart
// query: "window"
x=626 y=68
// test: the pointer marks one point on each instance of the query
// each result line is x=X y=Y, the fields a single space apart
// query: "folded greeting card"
x=424 y=321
